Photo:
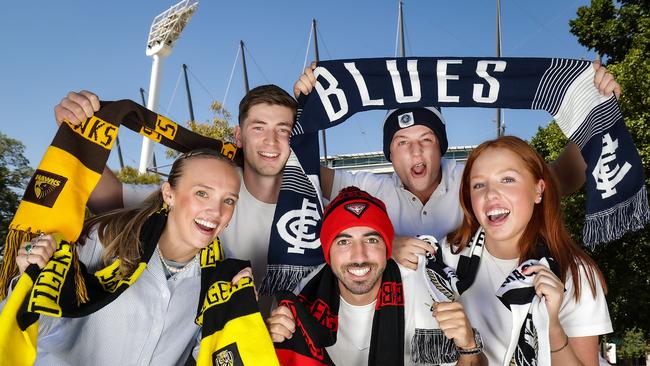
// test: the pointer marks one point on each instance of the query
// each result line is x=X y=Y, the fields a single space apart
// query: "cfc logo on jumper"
x=298 y=228
x=44 y=188
x=405 y=120
x=607 y=172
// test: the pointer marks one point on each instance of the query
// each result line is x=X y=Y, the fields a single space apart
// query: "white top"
x=150 y=323
x=486 y=312
x=438 y=217
x=355 y=322
x=353 y=336
x=246 y=237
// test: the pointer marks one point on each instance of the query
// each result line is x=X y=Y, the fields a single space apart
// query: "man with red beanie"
x=361 y=307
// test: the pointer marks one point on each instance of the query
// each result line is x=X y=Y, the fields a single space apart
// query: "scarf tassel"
x=283 y=277
x=430 y=346
x=613 y=223
x=9 y=269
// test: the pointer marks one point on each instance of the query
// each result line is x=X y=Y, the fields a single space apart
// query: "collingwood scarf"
x=232 y=327
x=315 y=311
x=530 y=344
x=616 y=195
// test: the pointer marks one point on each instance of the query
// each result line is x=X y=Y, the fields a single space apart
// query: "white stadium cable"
x=232 y=72
x=171 y=99
x=304 y=64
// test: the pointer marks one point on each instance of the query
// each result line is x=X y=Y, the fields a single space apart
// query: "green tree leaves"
x=14 y=176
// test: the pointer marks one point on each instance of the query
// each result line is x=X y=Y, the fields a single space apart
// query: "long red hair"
x=546 y=221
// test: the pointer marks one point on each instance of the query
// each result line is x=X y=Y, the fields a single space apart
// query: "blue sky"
x=51 y=47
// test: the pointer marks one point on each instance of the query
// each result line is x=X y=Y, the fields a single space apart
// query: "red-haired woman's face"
x=503 y=194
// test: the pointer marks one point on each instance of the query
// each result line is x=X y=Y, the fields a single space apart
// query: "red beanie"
x=354 y=207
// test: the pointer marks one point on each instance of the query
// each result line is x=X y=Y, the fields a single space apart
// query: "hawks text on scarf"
x=445 y=71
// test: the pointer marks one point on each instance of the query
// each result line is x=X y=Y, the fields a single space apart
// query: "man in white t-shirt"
x=422 y=194
x=356 y=237
x=266 y=115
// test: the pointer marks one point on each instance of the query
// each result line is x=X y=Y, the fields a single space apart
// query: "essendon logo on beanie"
x=44 y=188
x=357 y=208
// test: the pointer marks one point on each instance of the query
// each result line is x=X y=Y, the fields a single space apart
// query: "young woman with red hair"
x=511 y=208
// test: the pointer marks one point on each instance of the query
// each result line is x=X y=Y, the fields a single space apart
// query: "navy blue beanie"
x=398 y=119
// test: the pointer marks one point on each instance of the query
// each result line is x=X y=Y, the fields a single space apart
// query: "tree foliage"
x=14 y=176
x=634 y=344
x=620 y=33
x=218 y=128
x=131 y=175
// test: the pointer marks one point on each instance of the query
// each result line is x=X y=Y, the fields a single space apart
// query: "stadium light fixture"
x=165 y=30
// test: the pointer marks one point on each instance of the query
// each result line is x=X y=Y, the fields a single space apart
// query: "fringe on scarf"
x=9 y=268
x=283 y=277
x=430 y=346
x=614 y=222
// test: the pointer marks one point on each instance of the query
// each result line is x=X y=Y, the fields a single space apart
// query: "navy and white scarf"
x=616 y=195
x=530 y=345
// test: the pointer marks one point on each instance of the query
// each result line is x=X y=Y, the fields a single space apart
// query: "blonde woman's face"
x=202 y=203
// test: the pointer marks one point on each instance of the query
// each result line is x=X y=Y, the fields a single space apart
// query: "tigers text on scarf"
x=232 y=327
x=616 y=195
x=530 y=345
x=315 y=311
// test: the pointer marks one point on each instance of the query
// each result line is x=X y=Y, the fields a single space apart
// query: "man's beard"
x=360 y=287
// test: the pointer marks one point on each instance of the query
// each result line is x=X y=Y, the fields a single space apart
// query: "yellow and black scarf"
x=54 y=203
x=56 y=195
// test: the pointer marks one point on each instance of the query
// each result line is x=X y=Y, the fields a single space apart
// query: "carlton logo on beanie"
x=398 y=119
x=353 y=207
x=405 y=120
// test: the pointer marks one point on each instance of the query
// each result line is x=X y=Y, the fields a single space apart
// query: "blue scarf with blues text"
x=616 y=195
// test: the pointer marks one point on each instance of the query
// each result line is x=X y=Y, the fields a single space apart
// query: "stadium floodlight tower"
x=165 y=30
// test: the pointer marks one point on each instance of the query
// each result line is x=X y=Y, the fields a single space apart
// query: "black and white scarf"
x=530 y=345
x=616 y=195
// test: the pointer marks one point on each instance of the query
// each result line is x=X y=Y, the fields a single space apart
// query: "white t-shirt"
x=486 y=312
x=353 y=336
x=438 y=217
x=246 y=237
x=352 y=345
